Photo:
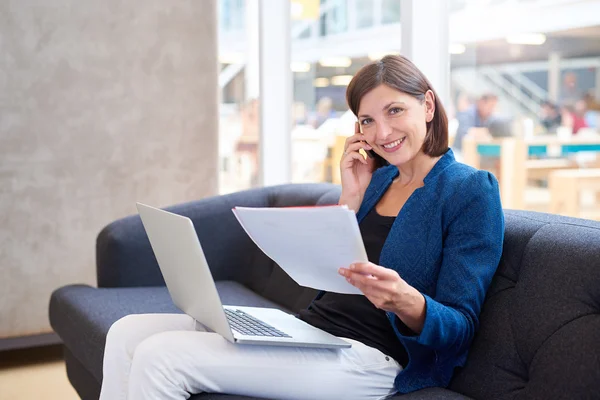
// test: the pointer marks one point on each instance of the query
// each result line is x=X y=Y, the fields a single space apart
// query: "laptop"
x=192 y=288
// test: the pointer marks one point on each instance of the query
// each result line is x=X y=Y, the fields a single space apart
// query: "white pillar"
x=275 y=92
x=251 y=74
x=425 y=41
x=554 y=77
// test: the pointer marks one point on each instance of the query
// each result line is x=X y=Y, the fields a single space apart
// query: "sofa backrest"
x=539 y=335
x=124 y=257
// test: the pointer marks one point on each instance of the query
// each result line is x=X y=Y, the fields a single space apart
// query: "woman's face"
x=395 y=123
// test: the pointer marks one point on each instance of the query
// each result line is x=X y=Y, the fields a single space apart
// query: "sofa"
x=539 y=334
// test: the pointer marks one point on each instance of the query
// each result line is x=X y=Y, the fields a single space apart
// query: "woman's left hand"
x=388 y=291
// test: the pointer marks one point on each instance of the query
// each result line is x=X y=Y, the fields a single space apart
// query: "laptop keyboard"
x=246 y=324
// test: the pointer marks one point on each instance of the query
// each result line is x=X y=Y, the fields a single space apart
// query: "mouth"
x=393 y=146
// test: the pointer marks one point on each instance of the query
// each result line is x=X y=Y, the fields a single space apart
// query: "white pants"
x=165 y=356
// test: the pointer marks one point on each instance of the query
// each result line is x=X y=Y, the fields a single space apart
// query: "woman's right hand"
x=355 y=170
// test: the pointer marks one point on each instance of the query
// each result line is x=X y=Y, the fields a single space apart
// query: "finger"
x=354 y=153
x=357 y=146
x=348 y=159
x=375 y=270
x=357 y=137
x=367 y=285
x=356 y=276
x=372 y=286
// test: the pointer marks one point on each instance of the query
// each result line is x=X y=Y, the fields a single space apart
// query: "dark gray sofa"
x=540 y=325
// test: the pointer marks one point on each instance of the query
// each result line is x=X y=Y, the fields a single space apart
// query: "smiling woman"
x=432 y=230
x=407 y=97
x=401 y=122
x=432 y=227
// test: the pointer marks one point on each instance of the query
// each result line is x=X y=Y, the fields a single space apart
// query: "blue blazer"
x=446 y=242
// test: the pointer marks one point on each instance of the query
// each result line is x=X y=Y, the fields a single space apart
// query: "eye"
x=366 y=121
x=395 y=110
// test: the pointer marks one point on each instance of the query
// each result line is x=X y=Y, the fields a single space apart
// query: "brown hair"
x=400 y=73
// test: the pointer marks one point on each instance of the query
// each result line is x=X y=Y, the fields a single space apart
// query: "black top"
x=354 y=316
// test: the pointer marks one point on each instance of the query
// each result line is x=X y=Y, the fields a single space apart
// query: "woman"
x=433 y=230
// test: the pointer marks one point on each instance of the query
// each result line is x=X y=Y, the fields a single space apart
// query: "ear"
x=429 y=106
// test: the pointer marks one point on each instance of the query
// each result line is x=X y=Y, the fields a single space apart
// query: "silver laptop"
x=192 y=288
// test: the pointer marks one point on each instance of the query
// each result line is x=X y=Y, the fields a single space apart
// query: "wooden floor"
x=34 y=374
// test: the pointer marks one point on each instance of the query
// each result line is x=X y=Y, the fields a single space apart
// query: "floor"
x=34 y=374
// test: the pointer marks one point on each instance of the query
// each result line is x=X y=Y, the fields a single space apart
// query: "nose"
x=383 y=130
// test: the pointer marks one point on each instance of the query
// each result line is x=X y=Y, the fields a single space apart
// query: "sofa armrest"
x=124 y=257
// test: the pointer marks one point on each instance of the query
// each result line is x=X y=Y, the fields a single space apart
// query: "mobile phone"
x=369 y=153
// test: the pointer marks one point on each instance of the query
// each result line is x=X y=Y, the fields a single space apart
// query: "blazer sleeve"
x=471 y=252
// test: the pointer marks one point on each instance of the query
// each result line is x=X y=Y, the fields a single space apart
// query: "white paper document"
x=309 y=243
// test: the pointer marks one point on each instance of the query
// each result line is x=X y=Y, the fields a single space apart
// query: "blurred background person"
x=550 y=117
x=579 y=112
x=474 y=116
x=573 y=116
x=570 y=92
x=463 y=102
x=592 y=115
x=324 y=112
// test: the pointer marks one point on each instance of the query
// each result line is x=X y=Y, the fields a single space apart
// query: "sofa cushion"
x=82 y=315
x=539 y=326
x=89 y=388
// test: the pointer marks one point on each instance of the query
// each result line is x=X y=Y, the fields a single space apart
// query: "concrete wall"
x=102 y=103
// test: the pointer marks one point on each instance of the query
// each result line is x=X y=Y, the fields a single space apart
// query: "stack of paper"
x=309 y=243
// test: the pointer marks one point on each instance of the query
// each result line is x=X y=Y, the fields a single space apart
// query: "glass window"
x=231 y=15
x=238 y=110
x=335 y=17
x=365 y=14
x=535 y=91
x=306 y=29
x=321 y=119
x=390 y=11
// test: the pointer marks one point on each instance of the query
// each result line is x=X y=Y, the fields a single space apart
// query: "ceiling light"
x=380 y=55
x=457 y=48
x=535 y=39
x=336 y=62
x=341 y=80
x=297 y=66
x=231 y=58
x=321 y=82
